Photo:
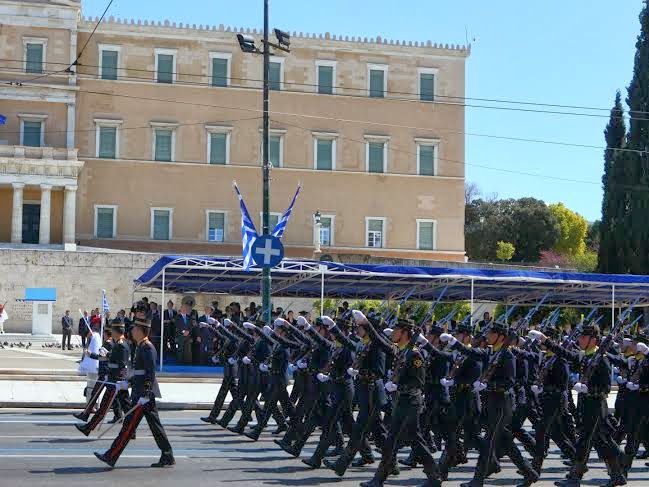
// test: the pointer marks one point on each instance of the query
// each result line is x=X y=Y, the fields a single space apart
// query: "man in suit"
x=169 y=318
x=84 y=326
x=66 y=329
x=185 y=324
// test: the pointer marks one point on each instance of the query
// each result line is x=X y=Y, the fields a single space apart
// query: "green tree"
x=504 y=251
x=573 y=227
x=585 y=262
x=611 y=244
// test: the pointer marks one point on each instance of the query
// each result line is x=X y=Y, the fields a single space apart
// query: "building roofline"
x=457 y=49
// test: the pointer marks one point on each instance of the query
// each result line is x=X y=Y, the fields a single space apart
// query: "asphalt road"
x=40 y=447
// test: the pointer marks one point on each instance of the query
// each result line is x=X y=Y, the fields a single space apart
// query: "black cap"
x=404 y=324
x=641 y=336
x=435 y=329
x=498 y=327
x=464 y=328
x=590 y=330
x=552 y=332
x=142 y=323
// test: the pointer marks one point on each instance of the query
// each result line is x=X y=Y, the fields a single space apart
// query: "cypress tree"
x=610 y=255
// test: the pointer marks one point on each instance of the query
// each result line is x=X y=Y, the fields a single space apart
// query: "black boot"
x=83 y=428
x=339 y=467
x=222 y=423
x=166 y=460
x=411 y=461
x=372 y=483
x=238 y=429
x=312 y=462
x=616 y=472
x=114 y=420
x=473 y=483
x=280 y=429
x=254 y=434
x=335 y=452
x=208 y=419
x=81 y=416
x=361 y=462
x=104 y=458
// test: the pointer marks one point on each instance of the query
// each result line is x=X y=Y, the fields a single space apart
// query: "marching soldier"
x=144 y=392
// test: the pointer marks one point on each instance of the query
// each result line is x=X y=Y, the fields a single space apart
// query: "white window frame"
x=219 y=55
x=104 y=122
x=32 y=117
x=114 y=48
x=378 y=67
x=164 y=126
x=434 y=222
x=385 y=140
x=334 y=146
x=207 y=225
x=171 y=221
x=431 y=143
x=383 y=231
x=34 y=40
x=432 y=71
x=261 y=220
x=275 y=133
x=280 y=60
x=331 y=64
x=114 y=208
x=332 y=233
x=171 y=52
x=218 y=129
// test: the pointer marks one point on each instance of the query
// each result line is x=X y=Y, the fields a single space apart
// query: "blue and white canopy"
x=303 y=279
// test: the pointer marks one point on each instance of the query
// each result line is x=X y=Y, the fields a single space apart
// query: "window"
x=275 y=150
x=105 y=221
x=165 y=65
x=35 y=50
x=427 y=84
x=427 y=157
x=273 y=219
x=164 y=141
x=220 y=68
x=32 y=133
x=377 y=75
x=108 y=61
x=218 y=144
x=161 y=223
x=376 y=154
x=326 y=231
x=324 y=151
x=326 y=71
x=276 y=73
x=375 y=232
x=107 y=138
x=426 y=234
x=215 y=226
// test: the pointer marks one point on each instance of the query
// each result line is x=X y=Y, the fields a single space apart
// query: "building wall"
x=6 y=201
x=55 y=124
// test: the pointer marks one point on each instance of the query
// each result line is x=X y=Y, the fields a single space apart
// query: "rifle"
x=391 y=312
x=431 y=310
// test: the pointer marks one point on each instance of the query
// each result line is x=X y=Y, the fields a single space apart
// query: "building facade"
x=136 y=146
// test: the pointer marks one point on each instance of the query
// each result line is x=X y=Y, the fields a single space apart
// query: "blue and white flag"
x=104 y=302
x=3 y=119
x=248 y=231
x=281 y=224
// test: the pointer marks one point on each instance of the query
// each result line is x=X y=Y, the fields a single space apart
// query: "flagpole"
x=265 y=277
x=101 y=326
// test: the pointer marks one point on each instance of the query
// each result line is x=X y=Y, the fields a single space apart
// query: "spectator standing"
x=66 y=329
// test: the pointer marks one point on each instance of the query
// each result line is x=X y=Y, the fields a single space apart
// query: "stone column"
x=17 y=214
x=71 y=125
x=44 y=225
x=69 y=214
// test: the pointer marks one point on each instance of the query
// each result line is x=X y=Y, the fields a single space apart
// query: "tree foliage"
x=504 y=251
x=573 y=228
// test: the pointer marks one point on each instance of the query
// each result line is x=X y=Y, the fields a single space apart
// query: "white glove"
x=301 y=364
x=103 y=352
x=388 y=332
x=580 y=388
x=574 y=377
x=447 y=382
x=246 y=360
x=536 y=389
x=522 y=341
x=267 y=330
x=322 y=377
x=143 y=401
x=232 y=360
x=352 y=372
x=391 y=386
x=292 y=368
x=535 y=335
x=642 y=348
x=447 y=338
x=280 y=322
x=328 y=322
x=632 y=387
x=626 y=342
x=620 y=380
x=616 y=370
x=359 y=317
x=249 y=326
x=212 y=321
x=422 y=340
x=263 y=367
x=301 y=321
x=122 y=385
x=479 y=386
x=390 y=373
x=227 y=322
x=214 y=359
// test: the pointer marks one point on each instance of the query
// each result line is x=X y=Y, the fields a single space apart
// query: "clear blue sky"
x=561 y=52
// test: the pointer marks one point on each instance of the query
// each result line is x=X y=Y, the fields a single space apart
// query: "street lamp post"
x=247 y=44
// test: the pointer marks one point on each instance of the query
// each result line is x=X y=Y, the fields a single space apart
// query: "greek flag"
x=248 y=231
x=281 y=224
x=3 y=119
x=104 y=302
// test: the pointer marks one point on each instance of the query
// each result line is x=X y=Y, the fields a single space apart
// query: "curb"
x=163 y=406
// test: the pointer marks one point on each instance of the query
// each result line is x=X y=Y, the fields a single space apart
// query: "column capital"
x=46 y=187
x=18 y=185
x=71 y=188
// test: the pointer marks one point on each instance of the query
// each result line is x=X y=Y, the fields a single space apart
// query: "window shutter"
x=325 y=231
x=325 y=80
x=163 y=145
x=375 y=154
x=426 y=160
x=109 y=65
x=161 y=224
x=165 y=68
x=107 y=142
x=325 y=155
x=275 y=76
x=34 y=59
x=216 y=227
x=219 y=72
x=426 y=235
x=377 y=83
x=274 y=150
x=105 y=223
x=32 y=134
x=218 y=148
x=427 y=86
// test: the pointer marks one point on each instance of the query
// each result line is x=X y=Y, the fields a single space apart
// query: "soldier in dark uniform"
x=102 y=377
x=118 y=368
x=144 y=392
x=592 y=407
x=407 y=382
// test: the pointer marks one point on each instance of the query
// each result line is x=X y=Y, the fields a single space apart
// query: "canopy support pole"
x=471 y=315
x=612 y=306
x=162 y=321
x=322 y=294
